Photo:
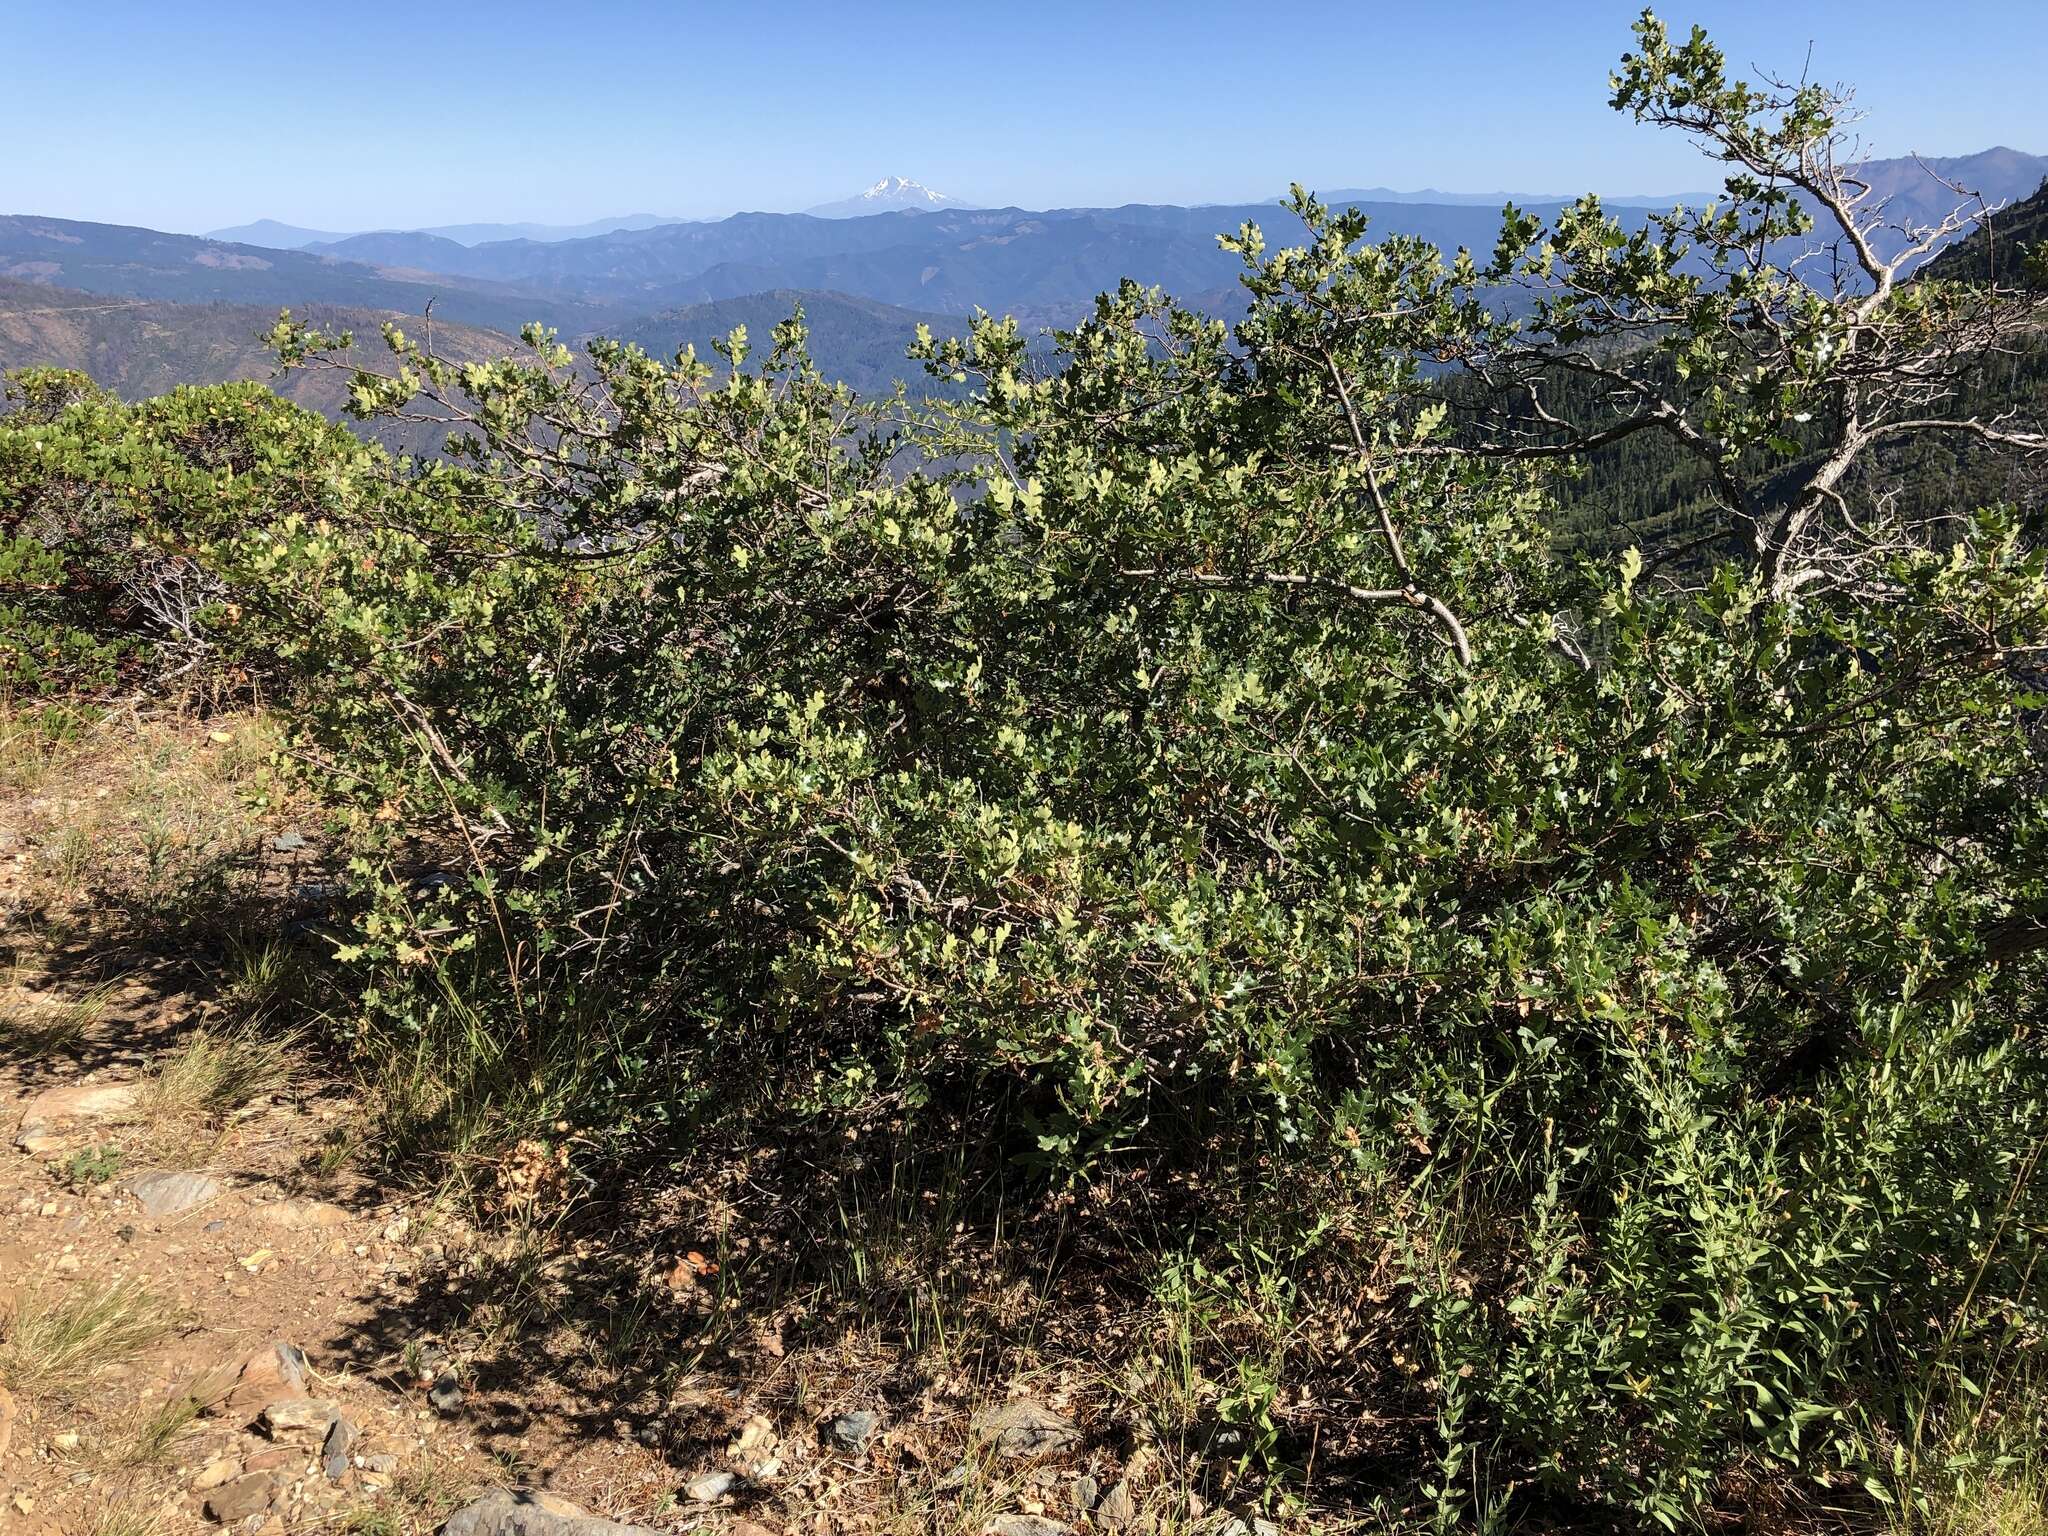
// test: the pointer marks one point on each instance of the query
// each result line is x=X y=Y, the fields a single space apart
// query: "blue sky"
x=363 y=114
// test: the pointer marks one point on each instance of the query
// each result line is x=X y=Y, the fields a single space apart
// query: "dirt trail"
x=243 y=1232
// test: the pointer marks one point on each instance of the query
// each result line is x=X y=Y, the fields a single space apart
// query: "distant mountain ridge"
x=133 y=262
x=291 y=237
x=143 y=347
x=865 y=280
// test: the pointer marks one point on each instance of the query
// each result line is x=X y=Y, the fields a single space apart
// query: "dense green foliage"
x=1202 y=744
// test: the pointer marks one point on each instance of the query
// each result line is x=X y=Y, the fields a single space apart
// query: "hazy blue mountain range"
x=1034 y=263
x=130 y=262
x=290 y=237
x=866 y=280
x=1495 y=199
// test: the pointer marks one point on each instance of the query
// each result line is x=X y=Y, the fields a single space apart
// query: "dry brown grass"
x=211 y=1073
x=60 y=1340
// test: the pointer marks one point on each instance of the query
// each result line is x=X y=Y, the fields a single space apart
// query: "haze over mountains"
x=868 y=270
x=289 y=237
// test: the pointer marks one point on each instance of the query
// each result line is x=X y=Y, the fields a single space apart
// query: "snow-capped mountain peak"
x=892 y=194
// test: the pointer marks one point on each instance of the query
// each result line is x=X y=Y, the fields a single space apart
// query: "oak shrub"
x=1203 y=746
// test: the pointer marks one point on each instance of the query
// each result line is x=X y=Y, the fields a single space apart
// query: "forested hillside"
x=143 y=347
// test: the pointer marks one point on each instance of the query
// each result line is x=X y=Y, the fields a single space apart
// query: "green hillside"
x=143 y=347
x=858 y=341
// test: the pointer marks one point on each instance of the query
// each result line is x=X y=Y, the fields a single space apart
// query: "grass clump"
x=125 y=1517
x=212 y=1073
x=157 y=1435
x=37 y=739
x=32 y=1031
x=419 y=1498
x=55 y=1346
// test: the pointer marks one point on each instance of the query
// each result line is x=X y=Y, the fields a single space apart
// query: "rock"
x=302 y=1215
x=288 y=842
x=1023 y=1525
x=275 y=1460
x=239 y=1388
x=851 y=1431
x=245 y=1496
x=299 y=1418
x=38 y=1140
x=341 y=1437
x=709 y=1488
x=1025 y=1427
x=532 y=1512
x=80 y=1101
x=396 y=1228
x=216 y=1473
x=164 y=1195
x=446 y=1393
x=756 y=1443
x=1118 y=1509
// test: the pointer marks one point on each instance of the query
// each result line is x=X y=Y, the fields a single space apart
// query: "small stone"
x=216 y=1473
x=709 y=1488
x=446 y=1393
x=341 y=1435
x=1252 y=1527
x=298 y=1418
x=1025 y=1427
x=851 y=1431
x=396 y=1229
x=756 y=1440
x=275 y=1459
x=245 y=1496
x=1023 y=1525
x=288 y=842
x=1118 y=1509
x=164 y=1195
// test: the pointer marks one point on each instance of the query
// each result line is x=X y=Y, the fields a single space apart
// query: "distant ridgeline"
x=142 y=311
x=865 y=282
